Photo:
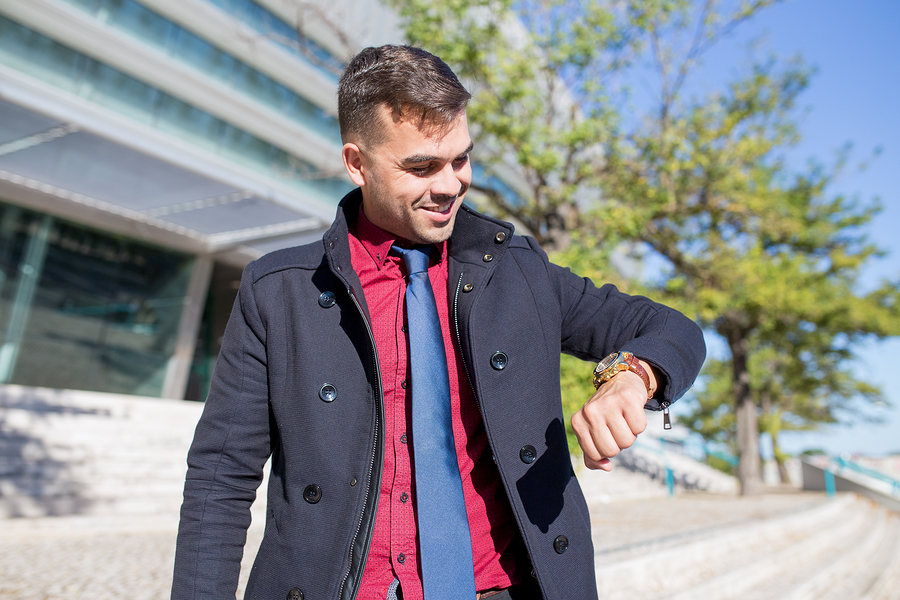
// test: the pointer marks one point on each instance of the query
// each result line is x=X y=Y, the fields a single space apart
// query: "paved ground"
x=79 y=558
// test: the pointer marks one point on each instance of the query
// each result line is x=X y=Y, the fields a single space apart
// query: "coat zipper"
x=375 y=443
x=456 y=326
x=667 y=423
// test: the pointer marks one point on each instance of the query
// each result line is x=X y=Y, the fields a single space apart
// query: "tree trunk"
x=779 y=460
x=749 y=474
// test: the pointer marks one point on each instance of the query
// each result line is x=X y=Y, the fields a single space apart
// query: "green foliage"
x=759 y=253
x=576 y=387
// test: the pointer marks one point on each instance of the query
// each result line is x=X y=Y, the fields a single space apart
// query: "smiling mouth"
x=443 y=208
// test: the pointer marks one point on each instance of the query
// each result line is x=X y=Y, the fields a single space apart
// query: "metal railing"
x=838 y=464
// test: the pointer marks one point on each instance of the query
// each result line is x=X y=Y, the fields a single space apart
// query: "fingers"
x=610 y=421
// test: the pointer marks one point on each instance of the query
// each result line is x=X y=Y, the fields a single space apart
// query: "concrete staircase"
x=795 y=547
x=109 y=470
x=86 y=453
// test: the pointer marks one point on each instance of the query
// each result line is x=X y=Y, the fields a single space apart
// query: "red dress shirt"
x=498 y=551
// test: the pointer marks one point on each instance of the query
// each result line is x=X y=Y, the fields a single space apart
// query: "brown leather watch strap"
x=634 y=365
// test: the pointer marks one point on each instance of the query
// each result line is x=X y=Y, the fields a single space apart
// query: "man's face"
x=414 y=181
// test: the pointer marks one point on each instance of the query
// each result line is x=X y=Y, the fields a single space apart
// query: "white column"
x=191 y=315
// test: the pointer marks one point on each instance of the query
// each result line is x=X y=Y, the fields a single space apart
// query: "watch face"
x=607 y=362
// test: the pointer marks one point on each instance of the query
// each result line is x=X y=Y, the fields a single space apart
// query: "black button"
x=327 y=299
x=561 y=544
x=403 y=329
x=295 y=594
x=499 y=360
x=487 y=257
x=528 y=454
x=403 y=384
x=312 y=493
x=468 y=288
x=401 y=559
x=403 y=438
x=327 y=392
x=500 y=237
x=404 y=497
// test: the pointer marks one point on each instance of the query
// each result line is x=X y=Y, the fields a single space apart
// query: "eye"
x=460 y=162
x=420 y=170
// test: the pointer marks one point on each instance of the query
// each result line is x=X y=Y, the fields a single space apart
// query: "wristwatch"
x=617 y=362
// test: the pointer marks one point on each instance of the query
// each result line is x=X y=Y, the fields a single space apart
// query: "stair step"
x=666 y=565
x=762 y=563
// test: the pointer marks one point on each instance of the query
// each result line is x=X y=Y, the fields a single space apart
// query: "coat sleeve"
x=226 y=459
x=599 y=321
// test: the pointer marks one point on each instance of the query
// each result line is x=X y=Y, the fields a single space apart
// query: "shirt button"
x=403 y=384
x=403 y=329
x=403 y=439
x=401 y=559
x=404 y=497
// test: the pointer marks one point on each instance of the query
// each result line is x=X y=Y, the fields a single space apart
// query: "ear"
x=353 y=162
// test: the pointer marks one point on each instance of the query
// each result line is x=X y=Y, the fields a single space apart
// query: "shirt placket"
x=403 y=524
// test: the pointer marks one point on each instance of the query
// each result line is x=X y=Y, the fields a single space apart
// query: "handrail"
x=843 y=463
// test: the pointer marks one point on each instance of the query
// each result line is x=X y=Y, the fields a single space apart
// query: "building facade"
x=148 y=151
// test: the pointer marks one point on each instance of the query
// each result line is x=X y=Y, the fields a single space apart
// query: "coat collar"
x=477 y=239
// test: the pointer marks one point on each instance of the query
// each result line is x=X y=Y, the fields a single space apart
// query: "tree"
x=758 y=253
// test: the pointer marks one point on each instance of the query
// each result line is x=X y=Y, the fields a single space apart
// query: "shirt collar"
x=377 y=242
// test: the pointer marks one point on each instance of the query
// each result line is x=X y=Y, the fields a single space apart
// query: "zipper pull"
x=667 y=424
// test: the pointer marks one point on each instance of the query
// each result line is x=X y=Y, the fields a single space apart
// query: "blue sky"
x=854 y=97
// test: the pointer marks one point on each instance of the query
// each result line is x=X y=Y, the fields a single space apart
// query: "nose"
x=449 y=182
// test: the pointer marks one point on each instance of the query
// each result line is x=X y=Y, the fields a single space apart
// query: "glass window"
x=113 y=89
x=137 y=20
x=258 y=86
x=204 y=56
x=82 y=309
x=37 y=55
x=244 y=148
x=189 y=123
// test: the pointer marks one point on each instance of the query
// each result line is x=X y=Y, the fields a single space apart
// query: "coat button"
x=487 y=257
x=561 y=544
x=468 y=288
x=312 y=493
x=327 y=392
x=326 y=299
x=528 y=454
x=499 y=360
x=295 y=594
x=500 y=237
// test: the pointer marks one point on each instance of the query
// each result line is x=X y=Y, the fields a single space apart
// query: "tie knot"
x=415 y=259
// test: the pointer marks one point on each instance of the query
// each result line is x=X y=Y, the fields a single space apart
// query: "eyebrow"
x=423 y=158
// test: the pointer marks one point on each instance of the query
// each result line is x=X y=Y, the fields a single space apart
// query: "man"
x=322 y=363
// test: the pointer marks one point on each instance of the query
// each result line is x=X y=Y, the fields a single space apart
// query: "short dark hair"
x=412 y=83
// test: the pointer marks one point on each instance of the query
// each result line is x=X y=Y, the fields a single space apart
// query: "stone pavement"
x=81 y=558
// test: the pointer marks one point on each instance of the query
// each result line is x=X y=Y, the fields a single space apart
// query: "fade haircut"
x=415 y=85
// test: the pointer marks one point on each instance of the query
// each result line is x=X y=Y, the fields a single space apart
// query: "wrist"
x=621 y=362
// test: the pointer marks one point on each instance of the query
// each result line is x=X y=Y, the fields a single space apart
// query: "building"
x=148 y=151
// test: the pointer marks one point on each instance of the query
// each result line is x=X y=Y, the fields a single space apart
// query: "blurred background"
x=736 y=160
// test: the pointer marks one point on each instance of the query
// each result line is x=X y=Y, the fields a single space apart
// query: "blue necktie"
x=445 y=545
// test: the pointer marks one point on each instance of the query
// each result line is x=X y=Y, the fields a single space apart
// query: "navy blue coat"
x=287 y=339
